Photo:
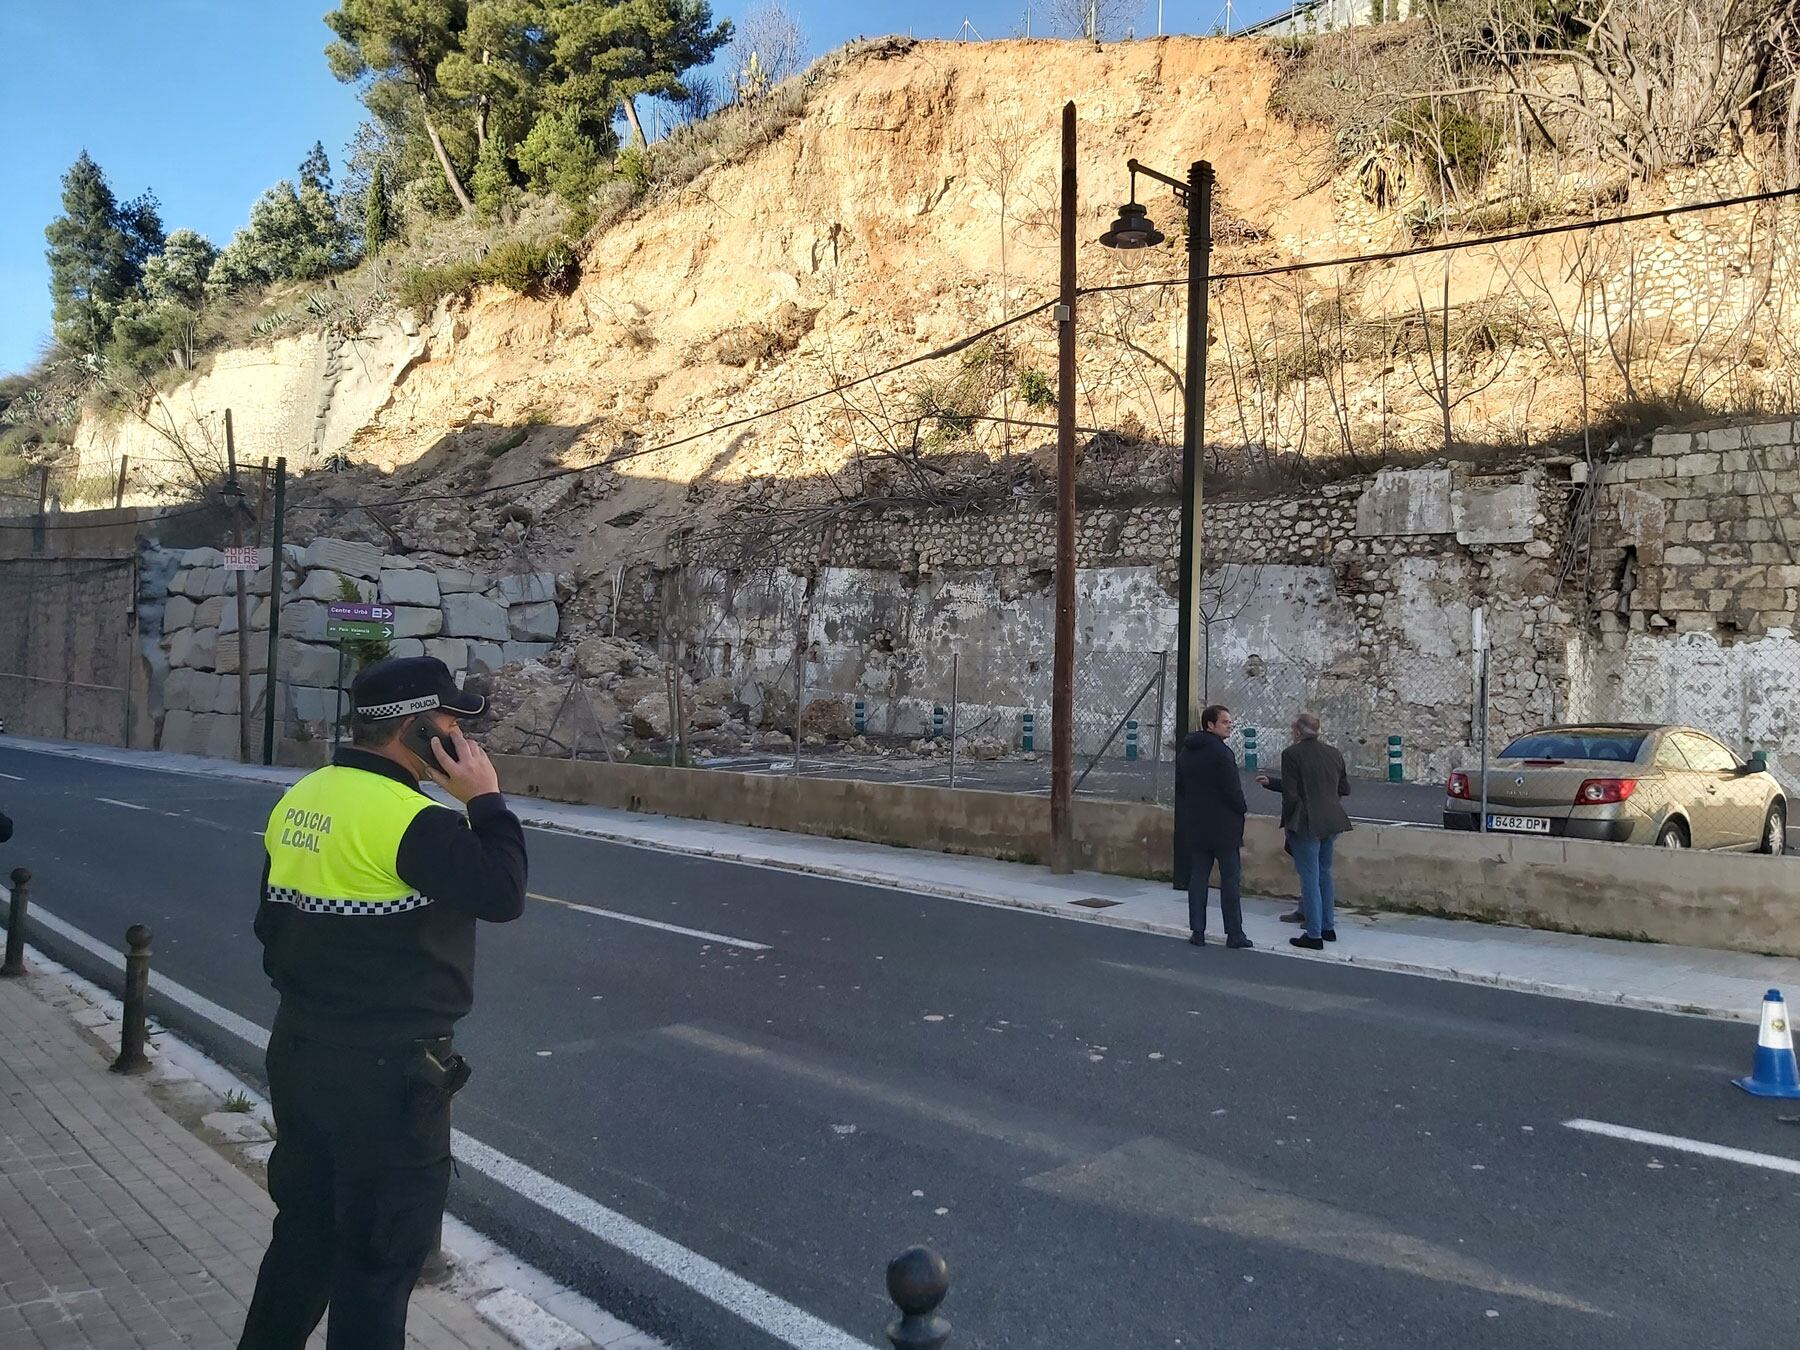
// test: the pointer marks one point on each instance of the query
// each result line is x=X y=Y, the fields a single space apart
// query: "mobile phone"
x=419 y=737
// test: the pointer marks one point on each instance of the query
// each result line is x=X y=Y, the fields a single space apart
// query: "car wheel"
x=1672 y=835
x=1774 y=835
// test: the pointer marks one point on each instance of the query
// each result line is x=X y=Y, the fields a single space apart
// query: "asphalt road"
x=1118 y=1141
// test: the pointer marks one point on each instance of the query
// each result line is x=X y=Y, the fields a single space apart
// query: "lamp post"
x=1134 y=230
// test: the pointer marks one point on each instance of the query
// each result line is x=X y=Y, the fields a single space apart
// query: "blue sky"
x=209 y=102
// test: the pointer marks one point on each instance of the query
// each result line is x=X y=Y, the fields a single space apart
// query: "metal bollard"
x=862 y=717
x=1396 y=764
x=1131 y=738
x=15 y=924
x=917 y=1281
x=1250 y=749
x=937 y=722
x=1028 y=730
x=137 y=988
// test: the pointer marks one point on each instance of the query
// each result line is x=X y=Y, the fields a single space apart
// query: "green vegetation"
x=294 y=234
x=948 y=408
x=537 y=269
x=98 y=248
x=444 y=79
x=1035 y=390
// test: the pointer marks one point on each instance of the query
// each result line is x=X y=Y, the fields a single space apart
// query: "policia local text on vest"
x=369 y=904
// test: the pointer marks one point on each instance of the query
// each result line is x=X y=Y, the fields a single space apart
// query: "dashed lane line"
x=701 y=933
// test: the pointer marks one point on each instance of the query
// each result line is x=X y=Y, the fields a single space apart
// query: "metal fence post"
x=953 y=673
x=799 y=705
x=15 y=924
x=1162 y=684
x=917 y=1281
x=132 y=1033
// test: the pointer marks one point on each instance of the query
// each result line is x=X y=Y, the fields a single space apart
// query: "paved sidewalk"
x=1604 y=970
x=118 y=1227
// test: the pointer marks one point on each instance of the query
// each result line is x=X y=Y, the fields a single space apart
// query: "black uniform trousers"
x=359 y=1175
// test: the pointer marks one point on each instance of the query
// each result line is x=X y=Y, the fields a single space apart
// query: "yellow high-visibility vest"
x=333 y=840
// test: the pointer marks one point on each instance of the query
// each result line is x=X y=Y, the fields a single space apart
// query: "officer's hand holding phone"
x=461 y=767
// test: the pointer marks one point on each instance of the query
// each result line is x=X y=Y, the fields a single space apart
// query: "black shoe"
x=1294 y=916
x=1329 y=934
x=1239 y=942
x=1311 y=944
x=1196 y=939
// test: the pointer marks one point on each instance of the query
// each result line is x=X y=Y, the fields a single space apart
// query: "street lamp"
x=1134 y=230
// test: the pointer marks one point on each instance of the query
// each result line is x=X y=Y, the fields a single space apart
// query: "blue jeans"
x=1318 y=894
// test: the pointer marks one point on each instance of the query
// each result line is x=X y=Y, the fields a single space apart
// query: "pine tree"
x=97 y=253
x=400 y=44
x=376 y=230
x=492 y=182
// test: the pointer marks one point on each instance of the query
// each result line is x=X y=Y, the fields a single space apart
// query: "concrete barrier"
x=1730 y=901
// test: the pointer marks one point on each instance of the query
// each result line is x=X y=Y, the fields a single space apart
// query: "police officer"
x=369 y=904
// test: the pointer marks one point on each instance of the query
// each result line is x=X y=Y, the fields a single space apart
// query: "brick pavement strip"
x=120 y=1229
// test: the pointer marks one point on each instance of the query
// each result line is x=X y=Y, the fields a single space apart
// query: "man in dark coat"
x=1312 y=785
x=1212 y=806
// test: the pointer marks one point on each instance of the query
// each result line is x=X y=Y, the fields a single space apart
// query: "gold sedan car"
x=1627 y=783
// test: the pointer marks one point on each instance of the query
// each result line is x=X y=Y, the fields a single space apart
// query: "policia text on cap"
x=369 y=905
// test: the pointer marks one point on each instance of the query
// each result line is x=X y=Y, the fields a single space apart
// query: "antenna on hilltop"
x=967 y=31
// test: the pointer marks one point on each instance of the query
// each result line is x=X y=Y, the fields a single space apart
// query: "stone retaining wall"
x=474 y=622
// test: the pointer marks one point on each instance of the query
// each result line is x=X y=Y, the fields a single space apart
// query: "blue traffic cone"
x=1774 y=1073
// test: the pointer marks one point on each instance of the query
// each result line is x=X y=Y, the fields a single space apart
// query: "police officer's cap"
x=404 y=685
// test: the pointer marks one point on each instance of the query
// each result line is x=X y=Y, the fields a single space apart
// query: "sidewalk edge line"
x=472 y=1250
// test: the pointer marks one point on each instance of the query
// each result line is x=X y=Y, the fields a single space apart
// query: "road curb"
x=836 y=872
x=240 y=1133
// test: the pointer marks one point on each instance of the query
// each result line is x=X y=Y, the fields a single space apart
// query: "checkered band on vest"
x=314 y=904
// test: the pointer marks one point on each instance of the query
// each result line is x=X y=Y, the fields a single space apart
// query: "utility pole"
x=119 y=495
x=234 y=496
x=1062 y=695
x=271 y=689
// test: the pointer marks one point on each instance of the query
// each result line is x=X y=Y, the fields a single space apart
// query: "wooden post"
x=1062 y=696
x=270 y=686
x=119 y=494
x=37 y=527
x=234 y=494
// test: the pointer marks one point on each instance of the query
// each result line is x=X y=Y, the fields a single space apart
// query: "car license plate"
x=1521 y=824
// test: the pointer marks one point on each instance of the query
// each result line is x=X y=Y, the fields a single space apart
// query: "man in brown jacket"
x=1312 y=783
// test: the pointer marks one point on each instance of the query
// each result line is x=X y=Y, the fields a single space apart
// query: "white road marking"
x=653 y=923
x=1774 y=1162
x=763 y=1310
x=129 y=806
x=242 y=1028
x=15 y=777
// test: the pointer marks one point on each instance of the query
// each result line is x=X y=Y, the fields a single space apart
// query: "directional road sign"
x=360 y=611
x=357 y=630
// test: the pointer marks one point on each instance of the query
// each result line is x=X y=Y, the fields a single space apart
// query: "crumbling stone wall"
x=475 y=623
x=1695 y=591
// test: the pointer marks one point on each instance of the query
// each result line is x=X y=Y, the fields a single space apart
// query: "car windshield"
x=1577 y=743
